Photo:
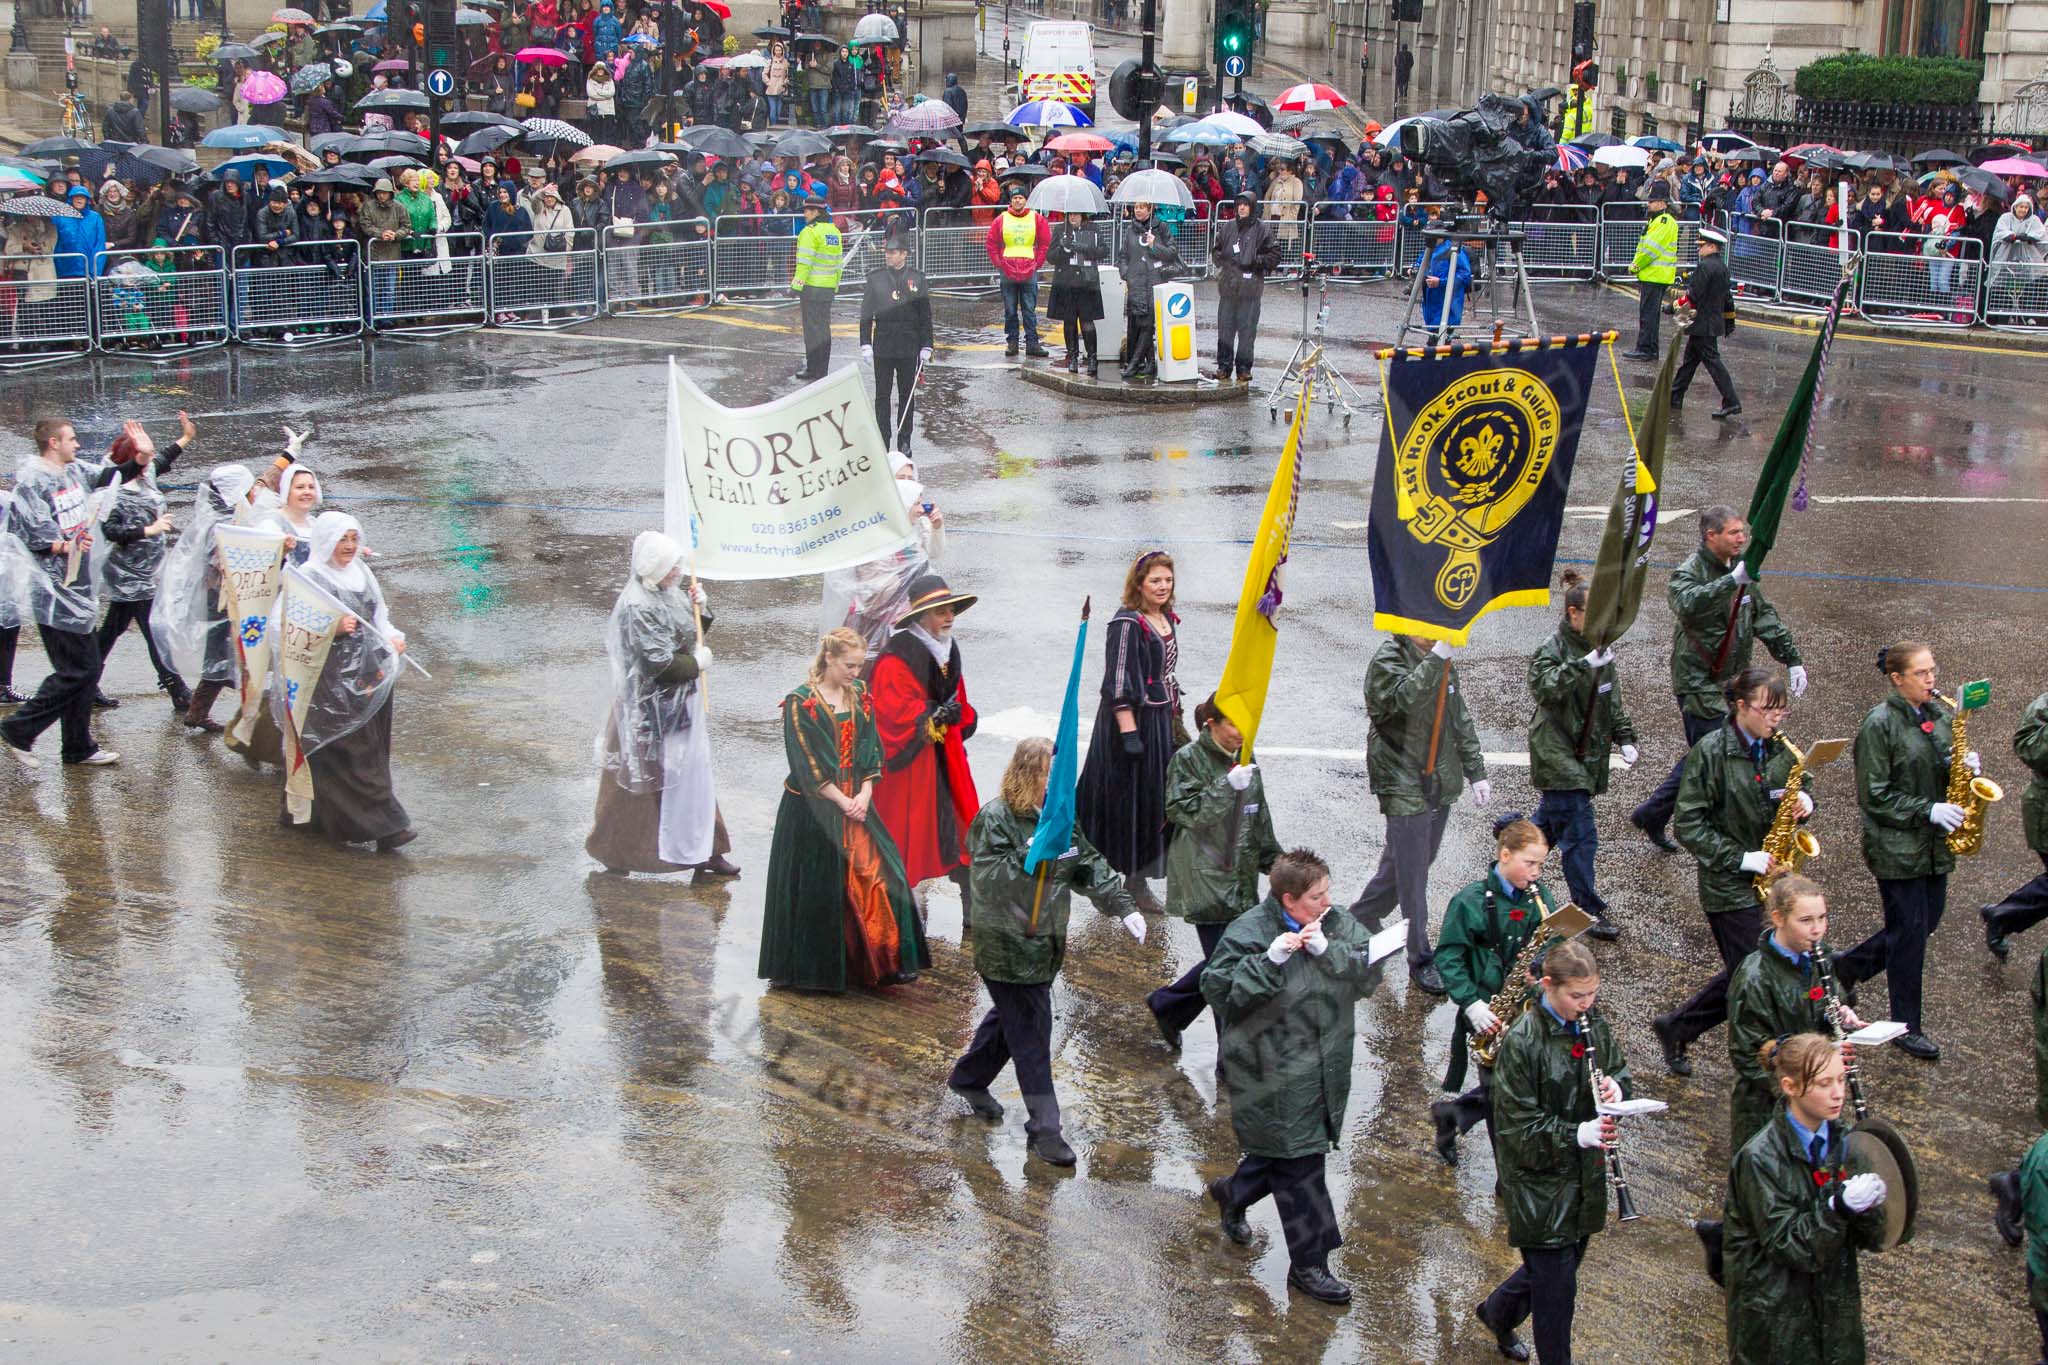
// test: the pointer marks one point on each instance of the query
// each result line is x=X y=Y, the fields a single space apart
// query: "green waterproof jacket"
x=1476 y=945
x=1287 y=1029
x=1401 y=687
x=1578 y=716
x=2030 y=742
x=1701 y=594
x=1210 y=879
x=1901 y=771
x=1789 y=1257
x=1556 y=1190
x=2034 y=1211
x=1007 y=946
x=1725 y=807
x=2041 y=1040
x=1768 y=997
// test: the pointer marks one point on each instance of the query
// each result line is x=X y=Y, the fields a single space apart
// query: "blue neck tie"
x=1816 y=1150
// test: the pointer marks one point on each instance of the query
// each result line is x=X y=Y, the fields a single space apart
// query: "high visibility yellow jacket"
x=818 y=256
x=1656 y=260
x=1578 y=120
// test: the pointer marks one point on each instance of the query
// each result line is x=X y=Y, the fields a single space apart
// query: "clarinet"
x=1824 y=967
x=1624 y=1199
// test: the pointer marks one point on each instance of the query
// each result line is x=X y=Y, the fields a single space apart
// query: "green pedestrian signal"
x=1236 y=30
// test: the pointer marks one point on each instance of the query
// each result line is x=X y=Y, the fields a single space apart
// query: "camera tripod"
x=1310 y=362
x=1502 y=256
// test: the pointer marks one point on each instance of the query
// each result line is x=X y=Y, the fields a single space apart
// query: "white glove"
x=1312 y=939
x=1442 y=649
x=867 y=353
x=924 y=357
x=1805 y=805
x=697 y=594
x=1756 y=863
x=1589 y=1133
x=1796 y=675
x=292 y=441
x=1240 y=777
x=1628 y=754
x=1973 y=763
x=1482 y=792
x=1947 y=815
x=1599 y=658
x=1279 y=952
x=1135 y=922
x=702 y=654
x=1481 y=1017
x=1741 y=572
x=1862 y=1192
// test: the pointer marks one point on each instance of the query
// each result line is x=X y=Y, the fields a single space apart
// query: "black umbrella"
x=1825 y=160
x=1757 y=156
x=1592 y=142
x=764 y=138
x=1027 y=171
x=344 y=174
x=319 y=145
x=232 y=52
x=887 y=144
x=477 y=118
x=771 y=31
x=625 y=161
x=994 y=128
x=394 y=99
x=824 y=39
x=57 y=146
x=484 y=141
x=1998 y=151
x=1985 y=183
x=1936 y=157
x=190 y=99
x=944 y=156
x=802 y=142
x=176 y=160
x=389 y=164
x=712 y=140
x=388 y=143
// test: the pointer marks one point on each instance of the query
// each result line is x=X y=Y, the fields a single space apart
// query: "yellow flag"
x=1241 y=694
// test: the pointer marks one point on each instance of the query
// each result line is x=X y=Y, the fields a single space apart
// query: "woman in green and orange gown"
x=839 y=909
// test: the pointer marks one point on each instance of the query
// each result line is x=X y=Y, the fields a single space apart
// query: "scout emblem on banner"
x=1475 y=459
x=251 y=560
x=302 y=631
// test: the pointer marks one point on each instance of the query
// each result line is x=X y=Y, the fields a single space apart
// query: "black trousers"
x=1237 y=329
x=1649 y=313
x=1913 y=908
x=1547 y=1286
x=2040 y=1318
x=1735 y=935
x=2019 y=911
x=1402 y=878
x=1181 y=1003
x=1705 y=351
x=65 y=698
x=119 y=614
x=1302 y=1196
x=1140 y=354
x=1016 y=1030
x=895 y=381
x=10 y=637
x=1077 y=332
x=1475 y=1107
x=1655 y=811
x=816 y=305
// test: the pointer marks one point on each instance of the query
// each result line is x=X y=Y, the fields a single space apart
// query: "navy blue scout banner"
x=1475 y=458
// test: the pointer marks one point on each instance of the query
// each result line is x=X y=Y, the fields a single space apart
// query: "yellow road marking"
x=1791 y=327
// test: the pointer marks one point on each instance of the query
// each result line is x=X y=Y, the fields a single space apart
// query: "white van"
x=1059 y=64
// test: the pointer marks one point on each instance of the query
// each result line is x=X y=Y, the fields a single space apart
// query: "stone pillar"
x=1185 y=37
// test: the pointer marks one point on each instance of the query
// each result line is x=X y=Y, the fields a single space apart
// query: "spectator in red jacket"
x=1017 y=242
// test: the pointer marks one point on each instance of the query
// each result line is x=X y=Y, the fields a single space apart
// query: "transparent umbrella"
x=1153 y=187
x=1068 y=194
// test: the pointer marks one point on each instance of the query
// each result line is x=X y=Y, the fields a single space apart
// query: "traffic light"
x=1236 y=26
x=441 y=39
x=1582 y=31
x=1407 y=11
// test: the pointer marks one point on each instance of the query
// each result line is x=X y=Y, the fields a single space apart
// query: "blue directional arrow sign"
x=440 y=82
x=1233 y=66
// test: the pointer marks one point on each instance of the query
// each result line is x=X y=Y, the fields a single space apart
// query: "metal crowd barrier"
x=1364 y=245
x=1900 y=287
x=1564 y=244
x=1409 y=241
x=282 y=299
x=1619 y=235
x=43 y=320
x=863 y=234
x=754 y=256
x=1290 y=234
x=543 y=279
x=954 y=253
x=1192 y=238
x=161 y=314
x=659 y=276
x=1756 y=258
x=1814 y=258
x=431 y=296
x=2016 y=296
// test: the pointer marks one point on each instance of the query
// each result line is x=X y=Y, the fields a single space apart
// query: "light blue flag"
x=1055 y=832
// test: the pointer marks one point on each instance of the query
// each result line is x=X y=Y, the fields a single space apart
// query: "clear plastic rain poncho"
x=129 y=573
x=650 y=628
x=869 y=597
x=49 y=504
x=189 y=624
x=362 y=668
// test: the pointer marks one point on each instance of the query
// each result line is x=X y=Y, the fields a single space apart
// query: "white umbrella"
x=1153 y=187
x=874 y=28
x=1387 y=135
x=1068 y=194
x=1230 y=121
x=1630 y=158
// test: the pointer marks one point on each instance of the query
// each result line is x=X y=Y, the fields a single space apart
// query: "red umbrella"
x=1806 y=149
x=1081 y=142
x=717 y=7
x=1307 y=99
x=393 y=64
x=544 y=56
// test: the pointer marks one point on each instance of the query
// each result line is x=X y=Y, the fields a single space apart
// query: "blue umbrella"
x=641 y=40
x=1199 y=135
x=1047 y=114
x=246 y=167
x=376 y=14
x=1656 y=144
x=241 y=137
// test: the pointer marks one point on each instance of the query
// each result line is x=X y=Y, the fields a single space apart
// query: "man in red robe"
x=926 y=796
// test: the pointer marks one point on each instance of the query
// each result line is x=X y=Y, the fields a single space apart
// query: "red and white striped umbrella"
x=1308 y=99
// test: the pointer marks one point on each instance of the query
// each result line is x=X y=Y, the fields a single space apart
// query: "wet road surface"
x=480 y=1101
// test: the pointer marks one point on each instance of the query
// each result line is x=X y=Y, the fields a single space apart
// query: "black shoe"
x=1036 y=353
x=1638 y=353
x=1230 y=1215
x=391 y=843
x=719 y=866
x=1445 y=1115
x=2005 y=1188
x=180 y=695
x=1674 y=1051
x=10 y=697
x=1319 y=1284
x=1655 y=835
x=1052 y=1149
x=1504 y=1339
x=1709 y=1232
x=803 y=376
x=205 y=724
x=1167 y=1031
x=1011 y=350
x=1723 y=414
x=102 y=702
x=1676 y=405
x=1144 y=898
x=984 y=1105
x=1426 y=978
x=1094 y=371
x=1921 y=1046
x=1604 y=929
x=1994 y=940
x=1072 y=364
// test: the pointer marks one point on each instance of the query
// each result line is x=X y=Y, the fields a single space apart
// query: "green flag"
x=1786 y=464
x=1624 y=564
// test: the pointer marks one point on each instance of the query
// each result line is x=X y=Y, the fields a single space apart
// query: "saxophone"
x=1787 y=844
x=1512 y=998
x=1973 y=794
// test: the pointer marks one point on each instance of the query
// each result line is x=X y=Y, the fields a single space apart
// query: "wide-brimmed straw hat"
x=929 y=592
